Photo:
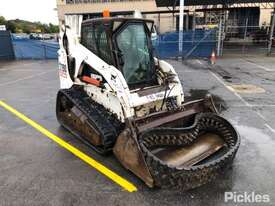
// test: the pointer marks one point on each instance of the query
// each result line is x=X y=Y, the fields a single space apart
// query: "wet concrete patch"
x=194 y=94
x=228 y=76
x=247 y=88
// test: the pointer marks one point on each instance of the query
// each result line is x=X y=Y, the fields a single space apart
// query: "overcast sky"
x=32 y=10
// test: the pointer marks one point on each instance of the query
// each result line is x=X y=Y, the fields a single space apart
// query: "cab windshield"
x=134 y=53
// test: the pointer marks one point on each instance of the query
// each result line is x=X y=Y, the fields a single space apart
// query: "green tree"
x=2 y=20
x=41 y=27
x=26 y=28
x=11 y=26
x=18 y=25
x=53 y=28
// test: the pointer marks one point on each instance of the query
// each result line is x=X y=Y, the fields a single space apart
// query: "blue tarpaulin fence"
x=198 y=43
x=6 y=48
x=34 y=49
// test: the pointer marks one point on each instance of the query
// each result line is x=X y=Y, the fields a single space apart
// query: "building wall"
x=265 y=16
x=166 y=20
x=142 y=5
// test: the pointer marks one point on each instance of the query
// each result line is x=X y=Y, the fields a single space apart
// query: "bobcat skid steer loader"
x=117 y=97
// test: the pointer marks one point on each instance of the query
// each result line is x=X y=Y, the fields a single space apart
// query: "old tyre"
x=165 y=175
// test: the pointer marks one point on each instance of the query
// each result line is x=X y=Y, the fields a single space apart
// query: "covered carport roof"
x=167 y=3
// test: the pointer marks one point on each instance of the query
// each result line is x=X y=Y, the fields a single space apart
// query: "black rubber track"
x=105 y=122
x=166 y=176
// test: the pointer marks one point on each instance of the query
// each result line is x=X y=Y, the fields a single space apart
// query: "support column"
x=173 y=22
x=159 y=22
x=194 y=21
x=181 y=25
x=187 y=21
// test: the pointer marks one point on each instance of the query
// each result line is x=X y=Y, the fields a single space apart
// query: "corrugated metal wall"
x=6 y=47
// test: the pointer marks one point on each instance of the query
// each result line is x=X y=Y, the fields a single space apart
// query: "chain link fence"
x=196 y=44
x=247 y=40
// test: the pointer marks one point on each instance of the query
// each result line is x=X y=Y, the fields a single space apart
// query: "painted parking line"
x=246 y=104
x=90 y=161
x=25 y=78
x=229 y=88
x=270 y=128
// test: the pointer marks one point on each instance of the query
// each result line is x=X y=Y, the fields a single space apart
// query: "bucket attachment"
x=184 y=148
x=183 y=157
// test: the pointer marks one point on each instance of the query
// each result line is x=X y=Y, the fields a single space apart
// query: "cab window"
x=132 y=43
x=94 y=38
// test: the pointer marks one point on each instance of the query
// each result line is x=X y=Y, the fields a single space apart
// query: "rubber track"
x=107 y=124
x=195 y=176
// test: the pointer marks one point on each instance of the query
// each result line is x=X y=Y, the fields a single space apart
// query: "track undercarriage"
x=184 y=148
x=87 y=120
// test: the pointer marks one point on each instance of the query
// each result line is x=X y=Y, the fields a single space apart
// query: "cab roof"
x=113 y=19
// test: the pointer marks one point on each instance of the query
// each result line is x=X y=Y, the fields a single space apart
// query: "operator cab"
x=124 y=43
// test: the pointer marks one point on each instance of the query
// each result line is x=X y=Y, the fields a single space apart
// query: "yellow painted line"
x=90 y=161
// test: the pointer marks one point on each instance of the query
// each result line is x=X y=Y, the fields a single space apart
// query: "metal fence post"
x=271 y=32
x=245 y=30
x=45 y=51
x=219 y=37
